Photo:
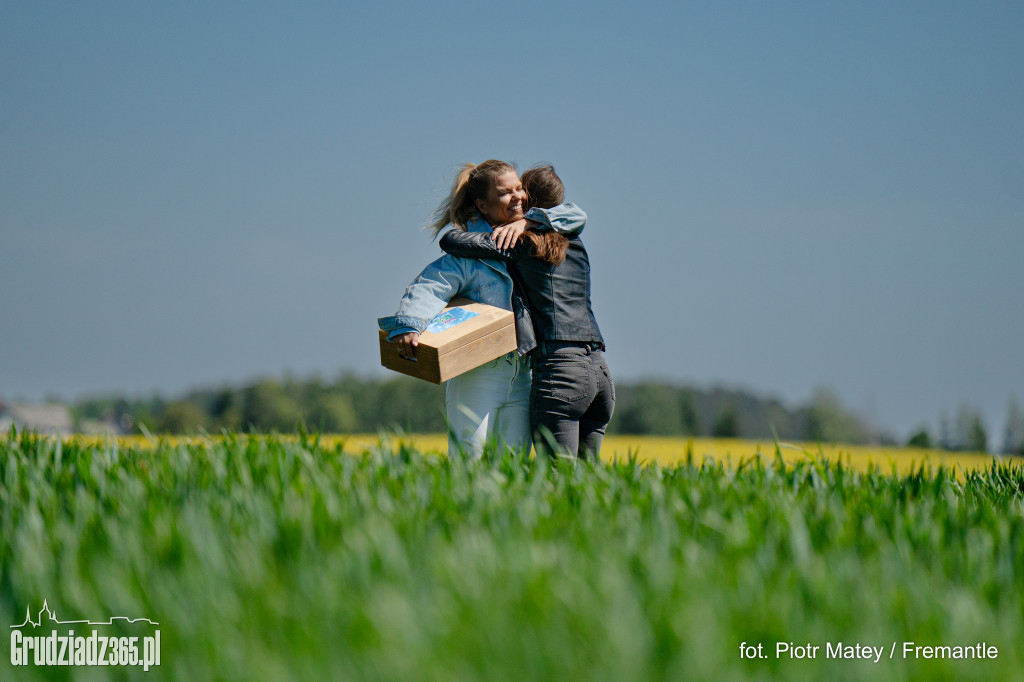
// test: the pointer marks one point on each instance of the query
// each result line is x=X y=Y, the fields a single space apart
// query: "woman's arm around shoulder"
x=475 y=245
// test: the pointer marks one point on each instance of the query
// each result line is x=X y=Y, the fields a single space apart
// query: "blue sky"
x=781 y=195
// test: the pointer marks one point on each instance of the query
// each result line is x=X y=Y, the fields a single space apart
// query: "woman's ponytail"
x=446 y=213
x=550 y=247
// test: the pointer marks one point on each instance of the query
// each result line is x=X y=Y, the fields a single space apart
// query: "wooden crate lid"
x=491 y=329
x=467 y=320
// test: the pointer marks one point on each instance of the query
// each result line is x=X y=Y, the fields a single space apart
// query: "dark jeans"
x=571 y=399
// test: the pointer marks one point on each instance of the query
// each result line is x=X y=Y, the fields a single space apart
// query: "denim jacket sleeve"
x=564 y=218
x=425 y=297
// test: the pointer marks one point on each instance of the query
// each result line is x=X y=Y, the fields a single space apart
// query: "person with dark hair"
x=572 y=396
x=490 y=401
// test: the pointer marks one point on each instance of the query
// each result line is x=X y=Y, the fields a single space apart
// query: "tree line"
x=353 y=404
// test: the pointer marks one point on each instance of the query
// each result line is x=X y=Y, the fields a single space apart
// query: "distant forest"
x=352 y=404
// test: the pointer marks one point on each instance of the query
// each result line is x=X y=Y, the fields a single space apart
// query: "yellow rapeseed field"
x=668 y=451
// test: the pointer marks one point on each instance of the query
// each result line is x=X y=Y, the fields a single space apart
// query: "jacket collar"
x=478 y=225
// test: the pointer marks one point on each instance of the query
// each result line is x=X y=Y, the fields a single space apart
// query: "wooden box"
x=465 y=335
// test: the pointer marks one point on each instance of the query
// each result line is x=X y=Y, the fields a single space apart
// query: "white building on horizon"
x=48 y=418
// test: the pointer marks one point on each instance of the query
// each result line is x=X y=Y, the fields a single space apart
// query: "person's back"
x=559 y=295
x=556 y=276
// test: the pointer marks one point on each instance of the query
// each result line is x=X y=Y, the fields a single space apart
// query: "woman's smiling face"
x=505 y=200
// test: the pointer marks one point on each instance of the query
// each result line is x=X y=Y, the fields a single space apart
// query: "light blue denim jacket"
x=485 y=281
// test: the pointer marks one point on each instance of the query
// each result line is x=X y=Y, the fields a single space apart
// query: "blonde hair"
x=473 y=182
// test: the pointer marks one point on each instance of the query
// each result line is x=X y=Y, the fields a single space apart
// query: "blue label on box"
x=449 y=318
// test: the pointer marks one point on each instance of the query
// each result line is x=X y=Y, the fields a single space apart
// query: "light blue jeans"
x=491 y=401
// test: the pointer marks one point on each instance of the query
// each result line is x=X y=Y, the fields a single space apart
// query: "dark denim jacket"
x=557 y=298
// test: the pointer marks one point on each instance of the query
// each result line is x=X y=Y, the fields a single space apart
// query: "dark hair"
x=543 y=187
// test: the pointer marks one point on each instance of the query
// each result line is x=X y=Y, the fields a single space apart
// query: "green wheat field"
x=267 y=558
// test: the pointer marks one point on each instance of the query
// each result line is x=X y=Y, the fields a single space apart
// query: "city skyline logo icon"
x=52 y=617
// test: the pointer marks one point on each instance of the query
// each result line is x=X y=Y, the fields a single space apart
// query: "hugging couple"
x=514 y=244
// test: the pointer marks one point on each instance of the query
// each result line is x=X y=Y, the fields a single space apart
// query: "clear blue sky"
x=781 y=195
